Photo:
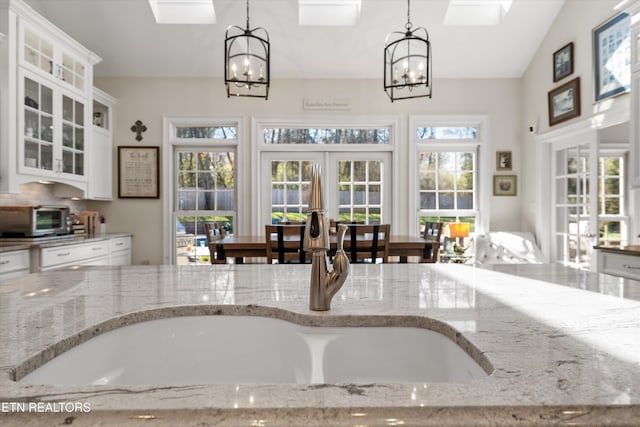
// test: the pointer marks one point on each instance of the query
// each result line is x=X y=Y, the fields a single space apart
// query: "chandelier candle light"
x=247 y=61
x=407 y=62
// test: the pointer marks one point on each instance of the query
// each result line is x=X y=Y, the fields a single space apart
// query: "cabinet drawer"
x=120 y=244
x=73 y=253
x=620 y=265
x=14 y=261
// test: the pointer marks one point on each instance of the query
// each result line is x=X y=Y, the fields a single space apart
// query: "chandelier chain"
x=247 y=14
x=408 y=24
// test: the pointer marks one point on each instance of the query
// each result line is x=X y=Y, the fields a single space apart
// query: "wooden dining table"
x=241 y=247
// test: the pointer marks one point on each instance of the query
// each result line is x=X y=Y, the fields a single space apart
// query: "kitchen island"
x=557 y=355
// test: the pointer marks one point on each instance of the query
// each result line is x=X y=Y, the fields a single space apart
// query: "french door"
x=356 y=185
x=575 y=215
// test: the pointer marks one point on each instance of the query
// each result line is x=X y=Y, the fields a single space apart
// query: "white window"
x=612 y=219
x=448 y=171
x=202 y=185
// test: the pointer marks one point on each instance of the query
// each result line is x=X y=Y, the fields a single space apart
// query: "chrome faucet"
x=324 y=282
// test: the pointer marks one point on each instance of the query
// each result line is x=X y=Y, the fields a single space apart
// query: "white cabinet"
x=114 y=250
x=618 y=264
x=94 y=253
x=100 y=186
x=14 y=264
x=45 y=104
x=120 y=250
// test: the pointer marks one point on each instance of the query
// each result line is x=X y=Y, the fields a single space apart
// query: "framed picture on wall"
x=563 y=62
x=139 y=172
x=612 y=57
x=564 y=102
x=503 y=160
x=505 y=185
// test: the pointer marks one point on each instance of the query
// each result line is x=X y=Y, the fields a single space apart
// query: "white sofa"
x=502 y=247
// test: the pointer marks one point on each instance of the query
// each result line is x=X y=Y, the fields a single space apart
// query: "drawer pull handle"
x=631 y=267
x=64 y=253
x=5 y=262
x=96 y=249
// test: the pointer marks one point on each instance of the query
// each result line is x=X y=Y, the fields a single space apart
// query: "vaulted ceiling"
x=131 y=44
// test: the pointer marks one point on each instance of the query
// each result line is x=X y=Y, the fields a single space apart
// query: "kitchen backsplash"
x=40 y=194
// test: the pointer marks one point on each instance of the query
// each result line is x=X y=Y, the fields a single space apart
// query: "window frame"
x=623 y=176
x=170 y=142
x=482 y=177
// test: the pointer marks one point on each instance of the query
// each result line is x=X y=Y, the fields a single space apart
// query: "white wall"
x=149 y=99
x=574 y=23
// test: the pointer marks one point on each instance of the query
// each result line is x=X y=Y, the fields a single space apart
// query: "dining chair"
x=333 y=224
x=367 y=243
x=432 y=232
x=215 y=233
x=285 y=243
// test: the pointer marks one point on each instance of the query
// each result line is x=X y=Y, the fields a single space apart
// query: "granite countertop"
x=8 y=244
x=560 y=355
x=628 y=250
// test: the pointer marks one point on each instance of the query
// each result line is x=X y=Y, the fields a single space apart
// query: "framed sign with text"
x=139 y=172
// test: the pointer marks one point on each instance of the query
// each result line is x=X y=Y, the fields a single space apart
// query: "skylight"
x=183 y=11
x=476 y=12
x=328 y=12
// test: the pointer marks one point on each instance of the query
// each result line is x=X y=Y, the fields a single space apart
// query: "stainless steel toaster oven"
x=34 y=220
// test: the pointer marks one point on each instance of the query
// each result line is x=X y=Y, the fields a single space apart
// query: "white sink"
x=257 y=350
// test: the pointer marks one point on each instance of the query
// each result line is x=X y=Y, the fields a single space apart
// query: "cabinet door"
x=52 y=130
x=37 y=52
x=46 y=55
x=38 y=125
x=73 y=136
x=100 y=167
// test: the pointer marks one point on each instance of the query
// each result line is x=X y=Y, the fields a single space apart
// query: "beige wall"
x=149 y=99
x=574 y=23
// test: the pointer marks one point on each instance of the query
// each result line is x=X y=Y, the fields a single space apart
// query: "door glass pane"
x=360 y=190
x=290 y=186
x=573 y=240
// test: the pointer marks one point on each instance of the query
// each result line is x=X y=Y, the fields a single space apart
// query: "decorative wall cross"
x=138 y=128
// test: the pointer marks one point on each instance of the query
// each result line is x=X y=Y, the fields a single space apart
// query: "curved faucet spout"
x=324 y=282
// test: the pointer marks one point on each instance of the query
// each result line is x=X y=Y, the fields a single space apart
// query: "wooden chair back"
x=367 y=243
x=215 y=233
x=333 y=224
x=285 y=243
x=432 y=232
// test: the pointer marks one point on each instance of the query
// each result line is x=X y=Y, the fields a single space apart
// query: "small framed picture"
x=612 y=57
x=563 y=62
x=564 y=102
x=503 y=160
x=505 y=185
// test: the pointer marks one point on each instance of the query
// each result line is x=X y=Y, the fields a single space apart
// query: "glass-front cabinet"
x=46 y=109
x=53 y=130
x=41 y=55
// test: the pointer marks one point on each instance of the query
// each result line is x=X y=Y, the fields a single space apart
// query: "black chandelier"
x=407 y=62
x=247 y=61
